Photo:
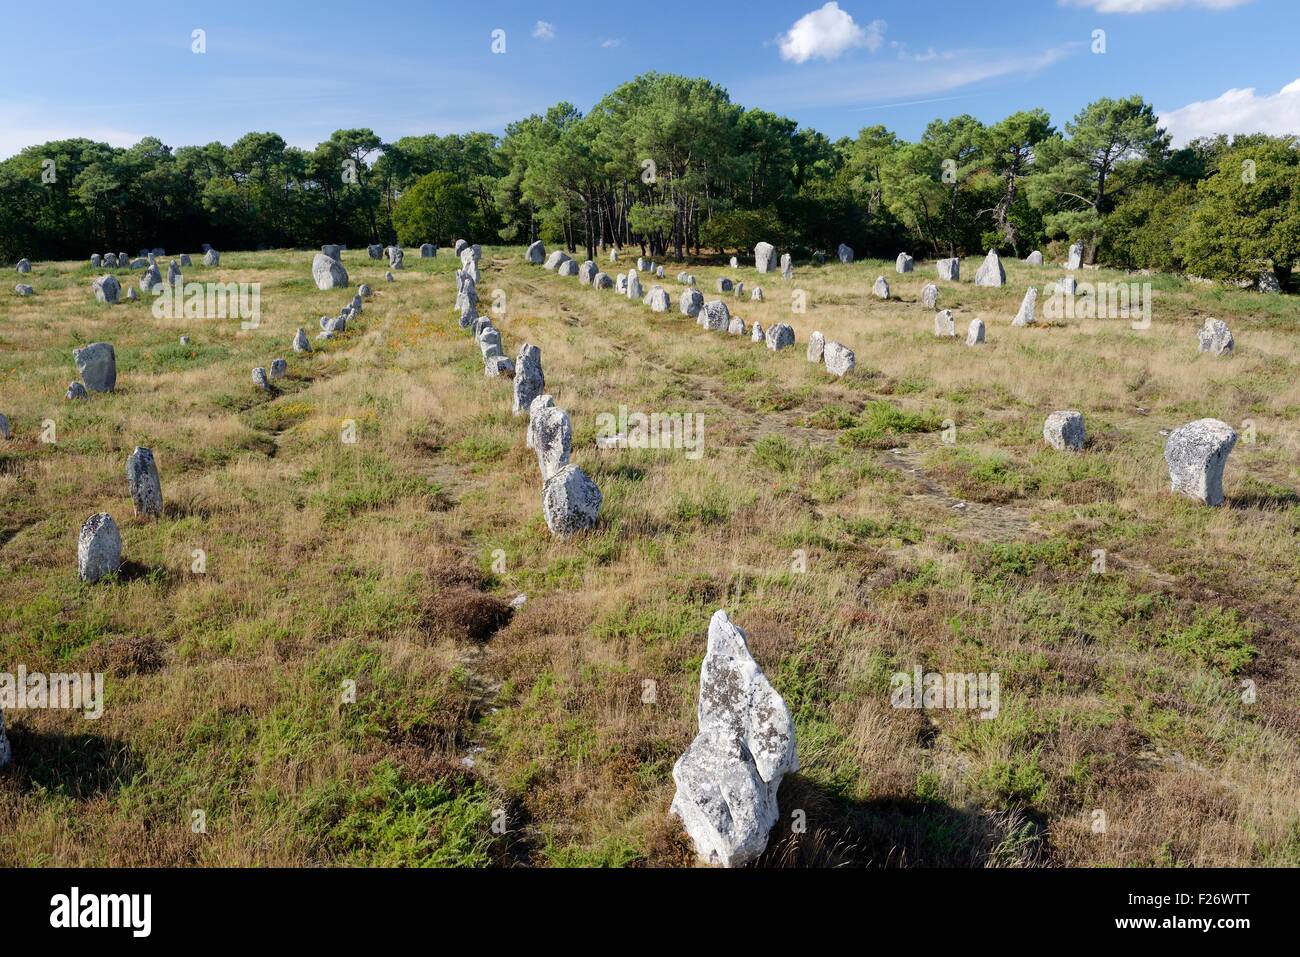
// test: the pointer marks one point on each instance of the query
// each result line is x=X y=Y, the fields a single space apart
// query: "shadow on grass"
x=895 y=833
x=77 y=766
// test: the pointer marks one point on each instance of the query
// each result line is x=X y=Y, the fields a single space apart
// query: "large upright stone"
x=945 y=325
x=839 y=359
x=715 y=316
x=723 y=284
x=174 y=273
x=24 y=266
x=727 y=780
x=97 y=365
x=634 y=290
x=23 y=289
x=1216 y=338
x=328 y=272
x=1196 y=454
x=880 y=289
x=1064 y=431
x=949 y=269
x=845 y=253
x=212 y=258
x=554 y=259
x=930 y=296
x=816 y=347
x=107 y=289
x=567 y=268
x=428 y=251
x=535 y=254
x=657 y=299
x=787 y=266
x=396 y=257
x=975 y=332
x=991 y=272
x=94 y=261
x=904 y=263
x=570 y=502
x=779 y=336
x=99 y=548
x=1034 y=259
x=109 y=260
x=1075 y=259
x=587 y=272
x=534 y=410
x=763 y=254
x=691 y=303
x=300 y=341
x=142 y=482
x=602 y=280
x=552 y=435
x=151 y=278
x=1028 y=313
x=375 y=251
x=529 y=380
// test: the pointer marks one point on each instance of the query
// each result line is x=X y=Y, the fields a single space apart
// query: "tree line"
x=670 y=165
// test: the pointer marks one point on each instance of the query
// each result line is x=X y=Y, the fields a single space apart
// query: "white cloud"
x=826 y=33
x=20 y=128
x=544 y=30
x=610 y=44
x=1152 y=6
x=1237 y=111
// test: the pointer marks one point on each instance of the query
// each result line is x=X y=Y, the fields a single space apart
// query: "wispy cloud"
x=22 y=127
x=1152 y=6
x=611 y=43
x=827 y=33
x=544 y=30
x=1237 y=111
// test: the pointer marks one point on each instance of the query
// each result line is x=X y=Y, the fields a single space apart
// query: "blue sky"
x=304 y=70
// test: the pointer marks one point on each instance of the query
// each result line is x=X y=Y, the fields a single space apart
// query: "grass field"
x=390 y=562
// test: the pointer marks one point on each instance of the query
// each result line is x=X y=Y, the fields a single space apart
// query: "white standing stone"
x=587 y=272
x=1067 y=286
x=106 y=289
x=691 y=303
x=570 y=502
x=787 y=266
x=23 y=289
x=975 y=332
x=727 y=780
x=24 y=266
x=99 y=548
x=880 y=289
x=1215 y=338
x=763 y=254
x=845 y=253
x=567 y=268
x=300 y=341
x=1028 y=313
x=1196 y=454
x=536 y=254
x=839 y=359
x=1075 y=259
x=945 y=325
x=1064 y=431
x=1034 y=259
x=534 y=409
x=529 y=380
x=142 y=482
x=658 y=299
x=904 y=263
x=756 y=294
x=949 y=269
x=212 y=258
x=780 y=336
x=428 y=251
x=991 y=272
x=930 y=296
x=756 y=333
x=715 y=316
x=553 y=439
x=328 y=273
x=554 y=259
x=816 y=347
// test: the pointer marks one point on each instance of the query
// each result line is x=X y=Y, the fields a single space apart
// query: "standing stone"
x=152 y=277
x=529 y=380
x=1063 y=431
x=300 y=341
x=945 y=326
x=881 y=288
x=715 y=316
x=1027 y=315
x=839 y=359
x=949 y=269
x=260 y=379
x=659 y=272
x=142 y=482
x=736 y=327
x=975 y=332
x=641 y=265
x=278 y=368
x=498 y=367
x=24 y=266
x=110 y=260
x=212 y=258
x=930 y=296
x=185 y=260
x=328 y=272
x=23 y=289
x=375 y=251
x=570 y=502
x=816 y=347
x=99 y=548
x=567 y=268
x=333 y=251
x=122 y=260
x=107 y=289
x=780 y=336
x=691 y=303
x=757 y=294
x=587 y=272
x=553 y=439
x=723 y=284
x=634 y=290
x=428 y=251
x=602 y=280
x=735 y=263
x=76 y=391
x=535 y=254
x=1196 y=454
x=1034 y=259
x=471 y=253
x=787 y=266
x=132 y=295
x=991 y=272
x=364 y=291
x=460 y=246
x=658 y=299
x=94 y=261
x=554 y=259
x=173 y=273
x=389 y=277
x=763 y=254
x=97 y=365
x=534 y=409
x=620 y=285
x=845 y=253
x=396 y=258
x=1216 y=338
x=727 y=780
x=613 y=255
x=1075 y=259
x=739 y=289
x=903 y=263
x=1268 y=283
